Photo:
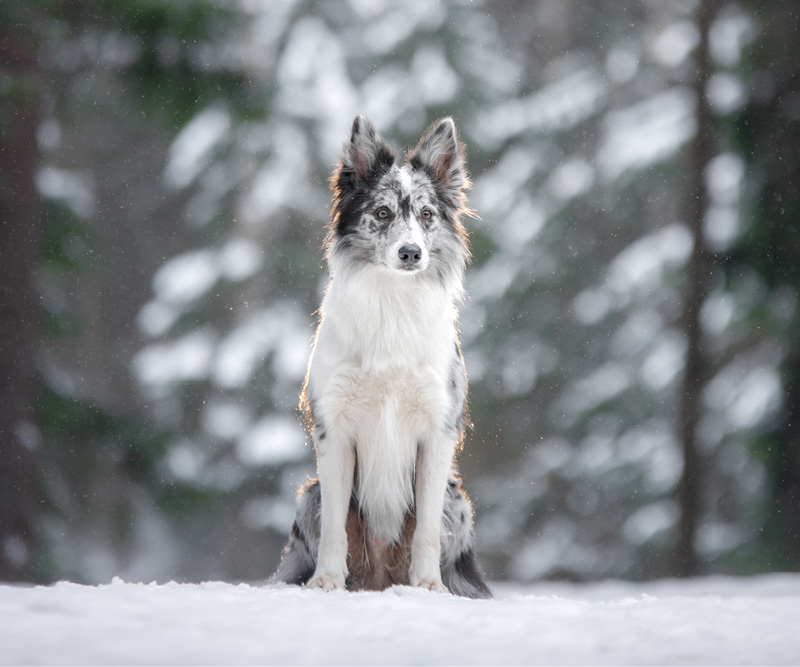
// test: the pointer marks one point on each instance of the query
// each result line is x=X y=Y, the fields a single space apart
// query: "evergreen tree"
x=84 y=87
x=763 y=265
x=20 y=232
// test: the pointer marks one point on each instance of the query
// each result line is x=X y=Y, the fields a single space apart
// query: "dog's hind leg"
x=300 y=554
x=459 y=566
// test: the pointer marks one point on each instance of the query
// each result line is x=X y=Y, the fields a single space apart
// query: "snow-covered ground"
x=704 y=621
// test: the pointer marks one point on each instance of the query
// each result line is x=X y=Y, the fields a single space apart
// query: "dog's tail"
x=459 y=565
x=300 y=553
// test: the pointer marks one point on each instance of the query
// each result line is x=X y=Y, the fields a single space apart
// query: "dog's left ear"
x=442 y=155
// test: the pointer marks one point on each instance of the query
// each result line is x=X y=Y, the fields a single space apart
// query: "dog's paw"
x=429 y=583
x=327 y=582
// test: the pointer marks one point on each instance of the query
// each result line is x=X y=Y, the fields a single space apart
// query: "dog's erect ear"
x=442 y=154
x=366 y=151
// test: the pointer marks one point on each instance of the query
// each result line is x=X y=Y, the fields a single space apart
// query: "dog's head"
x=402 y=217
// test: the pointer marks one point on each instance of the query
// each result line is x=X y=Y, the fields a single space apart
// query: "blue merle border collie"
x=385 y=393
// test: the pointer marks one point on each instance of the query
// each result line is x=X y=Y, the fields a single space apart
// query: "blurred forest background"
x=632 y=332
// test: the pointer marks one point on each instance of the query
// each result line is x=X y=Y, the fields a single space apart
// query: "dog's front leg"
x=335 y=464
x=434 y=459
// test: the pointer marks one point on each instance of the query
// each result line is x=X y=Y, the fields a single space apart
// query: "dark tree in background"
x=764 y=131
x=695 y=293
x=21 y=224
x=96 y=89
x=767 y=130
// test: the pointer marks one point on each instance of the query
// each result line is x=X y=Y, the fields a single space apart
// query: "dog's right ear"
x=366 y=152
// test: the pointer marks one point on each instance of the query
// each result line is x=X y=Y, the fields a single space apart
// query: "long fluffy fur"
x=385 y=392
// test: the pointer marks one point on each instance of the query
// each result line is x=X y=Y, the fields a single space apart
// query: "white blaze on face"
x=405 y=180
x=410 y=236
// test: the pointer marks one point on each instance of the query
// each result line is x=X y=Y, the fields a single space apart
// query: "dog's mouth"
x=410 y=270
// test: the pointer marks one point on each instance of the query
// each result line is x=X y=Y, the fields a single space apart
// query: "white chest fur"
x=379 y=381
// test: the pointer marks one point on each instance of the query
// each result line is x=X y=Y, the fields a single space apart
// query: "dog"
x=385 y=393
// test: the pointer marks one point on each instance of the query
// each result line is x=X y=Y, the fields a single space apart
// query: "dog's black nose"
x=410 y=254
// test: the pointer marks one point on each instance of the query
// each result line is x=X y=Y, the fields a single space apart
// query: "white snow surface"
x=707 y=621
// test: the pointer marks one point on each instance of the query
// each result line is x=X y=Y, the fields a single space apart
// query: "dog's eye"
x=426 y=215
x=382 y=213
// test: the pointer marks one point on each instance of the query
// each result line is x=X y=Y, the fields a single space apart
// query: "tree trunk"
x=20 y=231
x=785 y=466
x=695 y=291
